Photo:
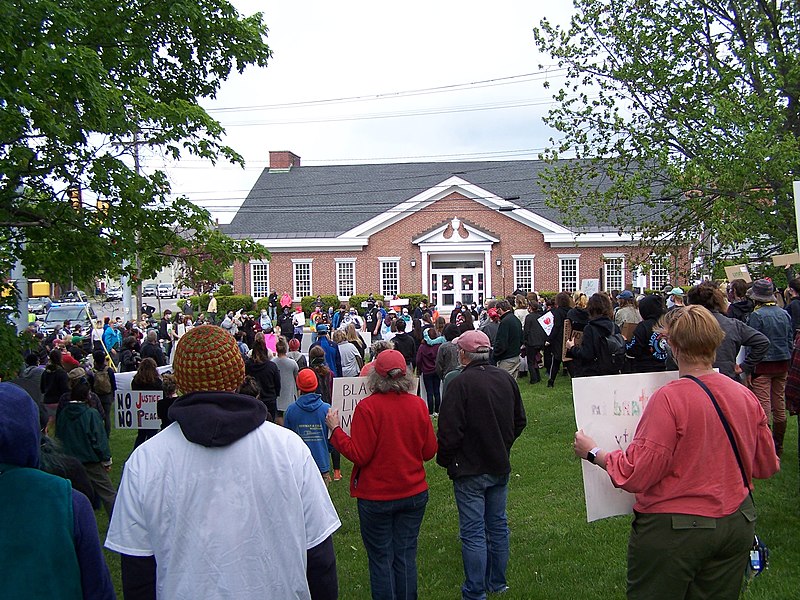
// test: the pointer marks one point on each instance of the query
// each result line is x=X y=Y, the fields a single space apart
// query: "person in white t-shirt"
x=222 y=504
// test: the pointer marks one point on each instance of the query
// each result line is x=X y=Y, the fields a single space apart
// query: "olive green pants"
x=674 y=556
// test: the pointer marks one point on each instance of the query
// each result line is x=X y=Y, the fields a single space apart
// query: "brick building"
x=454 y=231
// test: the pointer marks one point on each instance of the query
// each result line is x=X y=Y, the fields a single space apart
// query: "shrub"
x=225 y=289
x=234 y=303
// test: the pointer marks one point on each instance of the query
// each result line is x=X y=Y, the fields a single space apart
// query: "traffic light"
x=103 y=206
x=74 y=194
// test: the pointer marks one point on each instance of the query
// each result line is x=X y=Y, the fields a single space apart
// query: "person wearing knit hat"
x=49 y=529
x=306 y=417
x=219 y=454
x=391 y=437
x=295 y=354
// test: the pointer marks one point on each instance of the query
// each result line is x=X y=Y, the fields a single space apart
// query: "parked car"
x=187 y=292
x=73 y=296
x=167 y=290
x=150 y=289
x=114 y=294
x=77 y=313
x=39 y=305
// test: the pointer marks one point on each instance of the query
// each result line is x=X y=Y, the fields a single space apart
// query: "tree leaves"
x=685 y=113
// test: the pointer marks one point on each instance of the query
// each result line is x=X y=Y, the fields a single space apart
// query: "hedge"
x=224 y=303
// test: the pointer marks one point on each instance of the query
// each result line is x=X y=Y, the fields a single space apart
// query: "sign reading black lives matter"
x=137 y=409
x=347 y=393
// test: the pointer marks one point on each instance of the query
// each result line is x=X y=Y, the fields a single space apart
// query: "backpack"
x=611 y=358
x=102 y=383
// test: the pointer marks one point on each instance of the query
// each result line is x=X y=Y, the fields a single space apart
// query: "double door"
x=449 y=286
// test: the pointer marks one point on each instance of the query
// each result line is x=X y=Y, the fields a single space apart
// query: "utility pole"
x=132 y=302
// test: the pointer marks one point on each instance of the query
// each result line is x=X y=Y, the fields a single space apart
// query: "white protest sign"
x=137 y=409
x=590 y=286
x=347 y=393
x=547 y=322
x=608 y=409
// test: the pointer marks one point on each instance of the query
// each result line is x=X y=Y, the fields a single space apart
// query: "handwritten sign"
x=569 y=334
x=738 y=272
x=608 y=408
x=547 y=322
x=347 y=393
x=137 y=409
x=590 y=286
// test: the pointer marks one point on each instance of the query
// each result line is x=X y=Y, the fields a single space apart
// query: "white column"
x=487 y=273
x=425 y=276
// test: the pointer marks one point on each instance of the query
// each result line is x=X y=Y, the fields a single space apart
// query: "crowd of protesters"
x=237 y=376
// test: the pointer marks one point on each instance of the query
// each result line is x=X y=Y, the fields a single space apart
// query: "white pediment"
x=455 y=232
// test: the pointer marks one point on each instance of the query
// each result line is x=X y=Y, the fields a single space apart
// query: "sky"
x=417 y=81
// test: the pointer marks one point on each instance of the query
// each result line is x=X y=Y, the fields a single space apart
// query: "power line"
x=497 y=81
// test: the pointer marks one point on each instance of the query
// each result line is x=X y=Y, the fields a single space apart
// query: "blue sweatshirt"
x=306 y=417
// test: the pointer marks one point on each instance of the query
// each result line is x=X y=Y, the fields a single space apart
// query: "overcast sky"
x=404 y=60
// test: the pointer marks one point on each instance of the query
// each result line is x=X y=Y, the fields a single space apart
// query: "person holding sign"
x=391 y=437
x=694 y=517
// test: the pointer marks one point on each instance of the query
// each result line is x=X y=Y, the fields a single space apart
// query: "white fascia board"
x=299 y=244
x=452 y=249
x=590 y=239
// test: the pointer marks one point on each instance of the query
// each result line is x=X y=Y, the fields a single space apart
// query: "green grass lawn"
x=555 y=553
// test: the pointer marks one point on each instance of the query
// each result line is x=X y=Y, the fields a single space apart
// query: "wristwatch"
x=591 y=456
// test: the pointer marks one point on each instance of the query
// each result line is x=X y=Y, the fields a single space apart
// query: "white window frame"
x=386 y=261
x=340 y=264
x=254 y=266
x=657 y=264
x=519 y=259
x=561 y=260
x=607 y=258
x=296 y=262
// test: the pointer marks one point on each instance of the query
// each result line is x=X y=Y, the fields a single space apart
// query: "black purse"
x=759 y=553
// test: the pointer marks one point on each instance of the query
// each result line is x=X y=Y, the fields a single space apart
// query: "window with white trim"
x=390 y=277
x=345 y=278
x=568 y=273
x=659 y=272
x=302 y=278
x=614 y=273
x=259 y=280
x=523 y=274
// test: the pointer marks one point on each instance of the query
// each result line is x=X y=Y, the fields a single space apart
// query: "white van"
x=167 y=290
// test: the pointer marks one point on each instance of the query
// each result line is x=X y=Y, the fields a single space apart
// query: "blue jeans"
x=389 y=529
x=481 y=502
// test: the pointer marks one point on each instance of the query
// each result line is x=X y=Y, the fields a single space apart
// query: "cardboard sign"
x=784 y=260
x=738 y=272
x=347 y=393
x=569 y=334
x=590 y=286
x=547 y=322
x=608 y=408
x=627 y=330
x=137 y=409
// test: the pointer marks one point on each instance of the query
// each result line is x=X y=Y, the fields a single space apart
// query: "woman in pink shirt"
x=694 y=517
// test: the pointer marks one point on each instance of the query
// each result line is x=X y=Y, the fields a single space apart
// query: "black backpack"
x=611 y=358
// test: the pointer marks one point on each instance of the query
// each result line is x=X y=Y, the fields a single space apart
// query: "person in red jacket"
x=388 y=476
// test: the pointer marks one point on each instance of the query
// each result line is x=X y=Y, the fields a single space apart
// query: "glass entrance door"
x=449 y=286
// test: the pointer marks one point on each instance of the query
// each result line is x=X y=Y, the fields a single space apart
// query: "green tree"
x=684 y=116
x=85 y=88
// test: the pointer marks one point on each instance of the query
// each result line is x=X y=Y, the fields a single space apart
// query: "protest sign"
x=590 y=286
x=546 y=321
x=784 y=260
x=137 y=409
x=347 y=393
x=738 y=272
x=569 y=334
x=608 y=409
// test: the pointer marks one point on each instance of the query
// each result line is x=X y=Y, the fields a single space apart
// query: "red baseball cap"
x=389 y=360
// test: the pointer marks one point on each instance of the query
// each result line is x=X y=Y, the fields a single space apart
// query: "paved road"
x=115 y=309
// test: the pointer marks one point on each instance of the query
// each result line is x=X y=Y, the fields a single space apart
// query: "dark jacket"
x=556 y=337
x=740 y=309
x=578 y=318
x=508 y=341
x=155 y=352
x=793 y=308
x=481 y=416
x=586 y=356
x=737 y=334
x=268 y=377
x=647 y=348
x=54 y=384
x=405 y=345
x=426 y=358
x=82 y=433
x=532 y=332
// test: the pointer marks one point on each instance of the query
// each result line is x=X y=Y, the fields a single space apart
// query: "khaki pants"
x=510 y=366
x=688 y=556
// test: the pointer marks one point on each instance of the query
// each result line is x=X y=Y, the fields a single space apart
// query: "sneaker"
x=435 y=415
x=502 y=590
x=337 y=474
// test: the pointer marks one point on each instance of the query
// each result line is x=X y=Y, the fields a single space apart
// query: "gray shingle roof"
x=326 y=201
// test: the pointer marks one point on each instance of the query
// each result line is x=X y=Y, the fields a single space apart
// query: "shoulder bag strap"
x=725 y=424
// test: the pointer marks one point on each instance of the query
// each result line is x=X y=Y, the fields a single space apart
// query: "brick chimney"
x=283 y=160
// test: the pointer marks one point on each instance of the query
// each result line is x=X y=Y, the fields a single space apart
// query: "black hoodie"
x=214 y=419
x=585 y=355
